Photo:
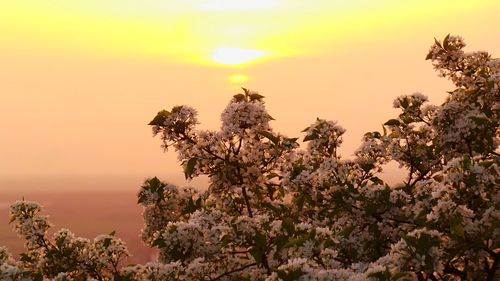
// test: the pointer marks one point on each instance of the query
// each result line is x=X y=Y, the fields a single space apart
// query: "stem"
x=233 y=271
x=247 y=202
x=239 y=146
x=494 y=153
x=423 y=120
x=432 y=277
x=469 y=149
x=494 y=267
x=410 y=159
x=188 y=138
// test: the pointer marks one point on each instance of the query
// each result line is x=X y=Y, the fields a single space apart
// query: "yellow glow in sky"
x=238 y=78
x=239 y=5
x=189 y=31
x=236 y=56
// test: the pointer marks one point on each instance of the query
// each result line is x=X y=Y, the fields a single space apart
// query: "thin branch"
x=247 y=201
x=493 y=269
x=233 y=271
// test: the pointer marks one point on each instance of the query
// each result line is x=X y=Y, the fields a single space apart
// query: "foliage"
x=274 y=211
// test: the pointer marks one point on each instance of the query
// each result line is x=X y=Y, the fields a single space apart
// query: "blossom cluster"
x=62 y=257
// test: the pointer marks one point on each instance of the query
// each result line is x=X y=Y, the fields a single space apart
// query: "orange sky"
x=79 y=80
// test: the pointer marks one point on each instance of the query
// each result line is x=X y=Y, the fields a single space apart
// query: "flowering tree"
x=273 y=211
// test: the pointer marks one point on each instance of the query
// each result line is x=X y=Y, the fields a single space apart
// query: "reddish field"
x=87 y=214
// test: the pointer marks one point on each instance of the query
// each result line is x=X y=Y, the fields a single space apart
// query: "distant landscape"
x=91 y=205
x=86 y=205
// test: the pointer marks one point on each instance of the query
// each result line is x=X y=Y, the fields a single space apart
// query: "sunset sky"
x=79 y=80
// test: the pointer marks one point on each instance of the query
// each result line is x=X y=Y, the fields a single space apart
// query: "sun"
x=236 y=56
x=238 y=78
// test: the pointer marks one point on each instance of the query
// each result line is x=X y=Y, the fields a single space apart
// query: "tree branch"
x=233 y=271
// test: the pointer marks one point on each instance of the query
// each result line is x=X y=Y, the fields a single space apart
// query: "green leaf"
x=377 y=180
x=479 y=120
x=466 y=162
x=107 y=242
x=60 y=241
x=272 y=175
x=437 y=43
x=404 y=103
x=189 y=170
x=288 y=225
x=280 y=242
x=199 y=203
x=260 y=240
x=156 y=184
x=458 y=230
x=180 y=127
x=255 y=97
x=225 y=240
x=190 y=208
x=291 y=275
x=25 y=257
x=259 y=247
x=438 y=177
x=392 y=122
x=160 y=118
x=312 y=136
x=153 y=185
x=270 y=136
x=346 y=232
x=37 y=276
x=239 y=97
x=446 y=43
x=410 y=240
x=256 y=253
x=118 y=277
x=299 y=202
x=160 y=243
x=176 y=108
x=367 y=166
x=312 y=234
